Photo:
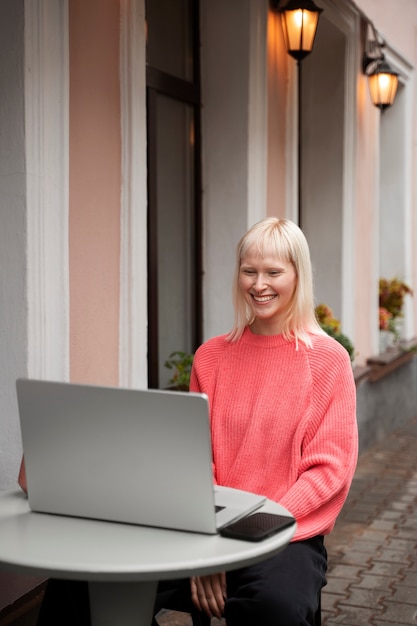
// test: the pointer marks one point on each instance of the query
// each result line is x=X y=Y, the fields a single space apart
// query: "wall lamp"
x=383 y=80
x=299 y=20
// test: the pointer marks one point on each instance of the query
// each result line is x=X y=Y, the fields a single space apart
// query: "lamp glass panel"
x=300 y=28
x=383 y=87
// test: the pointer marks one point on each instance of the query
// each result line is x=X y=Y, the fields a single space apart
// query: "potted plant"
x=180 y=362
x=331 y=326
x=391 y=302
x=386 y=336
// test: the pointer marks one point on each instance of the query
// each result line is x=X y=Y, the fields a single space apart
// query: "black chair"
x=201 y=619
x=317 y=618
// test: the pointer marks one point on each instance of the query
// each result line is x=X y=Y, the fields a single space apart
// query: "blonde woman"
x=283 y=424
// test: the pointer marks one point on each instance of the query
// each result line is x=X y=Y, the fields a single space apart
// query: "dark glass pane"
x=169 y=37
x=175 y=228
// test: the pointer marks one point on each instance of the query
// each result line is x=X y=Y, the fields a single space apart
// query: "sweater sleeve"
x=204 y=363
x=330 y=445
x=206 y=360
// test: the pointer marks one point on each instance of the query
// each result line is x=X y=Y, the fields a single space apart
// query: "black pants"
x=65 y=603
x=281 y=591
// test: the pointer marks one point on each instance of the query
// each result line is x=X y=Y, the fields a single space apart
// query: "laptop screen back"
x=135 y=456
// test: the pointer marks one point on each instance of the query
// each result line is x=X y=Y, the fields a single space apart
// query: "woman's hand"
x=22 y=476
x=208 y=594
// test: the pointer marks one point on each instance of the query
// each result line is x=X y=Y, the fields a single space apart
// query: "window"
x=174 y=183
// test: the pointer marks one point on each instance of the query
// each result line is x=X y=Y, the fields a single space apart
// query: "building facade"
x=139 y=141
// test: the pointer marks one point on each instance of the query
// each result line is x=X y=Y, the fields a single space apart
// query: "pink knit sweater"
x=283 y=422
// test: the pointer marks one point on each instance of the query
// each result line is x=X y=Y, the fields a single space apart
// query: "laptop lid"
x=126 y=455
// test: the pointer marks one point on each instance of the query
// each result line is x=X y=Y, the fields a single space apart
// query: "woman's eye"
x=249 y=272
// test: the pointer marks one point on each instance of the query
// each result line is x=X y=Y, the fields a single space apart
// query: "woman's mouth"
x=262 y=299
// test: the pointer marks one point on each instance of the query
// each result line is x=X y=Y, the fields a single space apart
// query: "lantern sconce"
x=299 y=23
x=382 y=79
x=299 y=19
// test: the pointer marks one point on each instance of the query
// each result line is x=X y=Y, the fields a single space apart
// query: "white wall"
x=233 y=49
x=33 y=207
x=133 y=246
x=393 y=191
x=322 y=140
x=13 y=306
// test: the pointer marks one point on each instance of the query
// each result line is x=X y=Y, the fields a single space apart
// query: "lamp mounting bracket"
x=292 y=4
x=373 y=54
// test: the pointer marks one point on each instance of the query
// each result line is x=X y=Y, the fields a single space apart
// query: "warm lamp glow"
x=383 y=83
x=299 y=22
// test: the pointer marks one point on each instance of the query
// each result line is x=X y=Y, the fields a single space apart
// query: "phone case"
x=257 y=526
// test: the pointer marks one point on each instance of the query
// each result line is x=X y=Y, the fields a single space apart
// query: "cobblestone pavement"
x=372 y=576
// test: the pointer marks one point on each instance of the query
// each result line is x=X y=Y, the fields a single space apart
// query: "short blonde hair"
x=285 y=240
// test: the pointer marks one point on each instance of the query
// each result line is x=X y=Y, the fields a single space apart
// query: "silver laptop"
x=134 y=456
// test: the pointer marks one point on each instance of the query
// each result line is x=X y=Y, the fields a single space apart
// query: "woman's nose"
x=260 y=282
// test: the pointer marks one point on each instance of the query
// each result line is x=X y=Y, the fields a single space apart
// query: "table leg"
x=122 y=604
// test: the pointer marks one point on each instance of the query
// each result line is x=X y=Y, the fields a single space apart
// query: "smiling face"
x=268 y=284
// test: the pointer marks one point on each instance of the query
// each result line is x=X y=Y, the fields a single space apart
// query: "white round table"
x=123 y=563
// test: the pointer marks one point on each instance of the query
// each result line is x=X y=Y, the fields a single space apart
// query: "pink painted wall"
x=94 y=195
x=396 y=21
x=365 y=220
x=277 y=110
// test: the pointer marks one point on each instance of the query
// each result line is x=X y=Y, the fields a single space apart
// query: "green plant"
x=326 y=318
x=331 y=326
x=181 y=363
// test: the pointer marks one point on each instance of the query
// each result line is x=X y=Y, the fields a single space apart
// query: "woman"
x=283 y=423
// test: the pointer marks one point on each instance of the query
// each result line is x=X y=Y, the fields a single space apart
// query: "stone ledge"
x=383 y=364
x=361 y=372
